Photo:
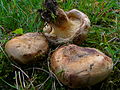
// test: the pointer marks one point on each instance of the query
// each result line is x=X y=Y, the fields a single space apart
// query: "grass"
x=104 y=35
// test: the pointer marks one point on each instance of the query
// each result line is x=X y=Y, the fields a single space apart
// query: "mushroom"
x=27 y=47
x=80 y=66
x=69 y=26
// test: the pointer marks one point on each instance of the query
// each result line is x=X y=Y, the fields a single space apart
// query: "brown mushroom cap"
x=80 y=66
x=24 y=49
x=70 y=26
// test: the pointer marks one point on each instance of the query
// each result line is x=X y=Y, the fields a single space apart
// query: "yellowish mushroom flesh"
x=68 y=26
x=26 y=48
x=80 y=66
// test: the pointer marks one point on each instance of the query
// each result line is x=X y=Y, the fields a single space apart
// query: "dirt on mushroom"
x=80 y=66
x=26 y=48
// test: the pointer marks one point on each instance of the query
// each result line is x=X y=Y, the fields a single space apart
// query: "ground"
x=20 y=16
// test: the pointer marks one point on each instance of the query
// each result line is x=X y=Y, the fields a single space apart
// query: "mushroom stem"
x=54 y=15
x=62 y=18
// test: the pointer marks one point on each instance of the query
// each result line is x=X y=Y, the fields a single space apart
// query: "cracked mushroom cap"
x=80 y=66
x=27 y=47
x=70 y=26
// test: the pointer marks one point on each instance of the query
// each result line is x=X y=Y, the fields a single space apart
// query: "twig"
x=40 y=85
x=23 y=73
x=23 y=80
x=41 y=70
x=113 y=39
x=16 y=80
x=33 y=71
x=31 y=83
x=53 y=86
x=38 y=69
x=116 y=62
x=20 y=79
x=2 y=28
x=4 y=53
x=8 y=83
x=21 y=70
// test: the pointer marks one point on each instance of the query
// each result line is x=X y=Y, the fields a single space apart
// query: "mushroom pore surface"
x=80 y=66
x=26 y=48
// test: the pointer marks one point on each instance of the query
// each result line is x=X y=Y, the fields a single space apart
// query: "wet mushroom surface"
x=80 y=66
x=27 y=47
